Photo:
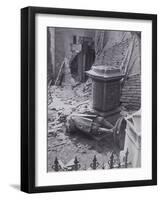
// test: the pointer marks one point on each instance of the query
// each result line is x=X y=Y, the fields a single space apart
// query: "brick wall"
x=131 y=93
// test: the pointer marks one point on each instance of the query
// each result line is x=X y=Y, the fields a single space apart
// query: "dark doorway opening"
x=83 y=61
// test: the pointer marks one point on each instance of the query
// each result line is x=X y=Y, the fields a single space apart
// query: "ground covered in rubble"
x=65 y=146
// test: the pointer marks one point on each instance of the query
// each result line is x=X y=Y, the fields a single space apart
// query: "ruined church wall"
x=60 y=45
x=113 y=50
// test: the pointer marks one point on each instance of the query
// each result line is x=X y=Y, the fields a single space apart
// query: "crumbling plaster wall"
x=115 y=44
x=113 y=49
x=60 y=45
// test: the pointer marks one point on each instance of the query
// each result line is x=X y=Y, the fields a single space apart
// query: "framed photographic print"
x=88 y=99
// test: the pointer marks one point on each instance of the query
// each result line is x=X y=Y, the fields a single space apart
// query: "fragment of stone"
x=98 y=128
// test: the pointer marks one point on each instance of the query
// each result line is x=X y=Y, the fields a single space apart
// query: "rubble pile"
x=66 y=100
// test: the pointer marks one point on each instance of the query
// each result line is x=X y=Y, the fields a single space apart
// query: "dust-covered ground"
x=65 y=146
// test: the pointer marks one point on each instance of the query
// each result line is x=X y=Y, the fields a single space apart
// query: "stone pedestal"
x=106 y=89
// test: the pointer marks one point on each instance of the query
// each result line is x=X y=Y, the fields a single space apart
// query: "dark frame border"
x=28 y=98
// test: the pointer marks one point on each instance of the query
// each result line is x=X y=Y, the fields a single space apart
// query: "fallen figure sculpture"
x=98 y=128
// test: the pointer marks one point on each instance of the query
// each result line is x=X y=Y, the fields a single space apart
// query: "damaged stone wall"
x=60 y=40
x=115 y=44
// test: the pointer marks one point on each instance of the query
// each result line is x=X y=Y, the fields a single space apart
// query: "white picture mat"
x=62 y=178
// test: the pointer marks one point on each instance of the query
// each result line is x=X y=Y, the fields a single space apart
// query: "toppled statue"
x=98 y=128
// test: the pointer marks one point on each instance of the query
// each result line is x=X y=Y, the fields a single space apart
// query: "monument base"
x=109 y=113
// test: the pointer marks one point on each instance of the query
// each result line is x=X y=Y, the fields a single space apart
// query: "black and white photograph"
x=89 y=99
x=93 y=99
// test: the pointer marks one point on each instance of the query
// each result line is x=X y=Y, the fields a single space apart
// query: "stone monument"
x=106 y=89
